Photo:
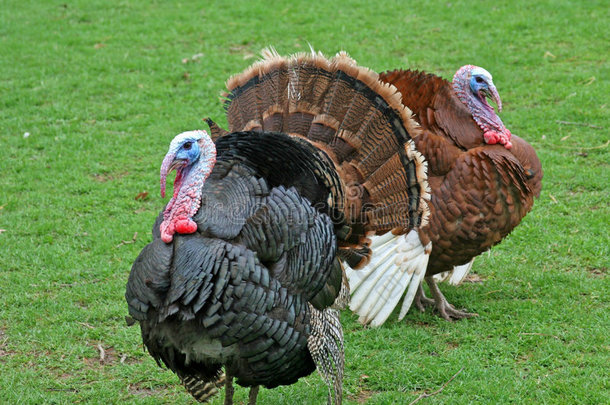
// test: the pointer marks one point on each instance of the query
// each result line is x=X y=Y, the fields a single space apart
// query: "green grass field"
x=91 y=93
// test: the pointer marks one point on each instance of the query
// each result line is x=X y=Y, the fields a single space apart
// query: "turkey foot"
x=445 y=309
x=421 y=301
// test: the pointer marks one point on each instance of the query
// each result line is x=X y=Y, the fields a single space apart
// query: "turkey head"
x=193 y=155
x=473 y=85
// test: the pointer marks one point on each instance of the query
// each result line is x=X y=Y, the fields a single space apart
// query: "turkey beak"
x=169 y=163
x=493 y=94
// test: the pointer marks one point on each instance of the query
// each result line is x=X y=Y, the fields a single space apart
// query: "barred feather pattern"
x=325 y=343
x=342 y=300
x=358 y=121
x=202 y=390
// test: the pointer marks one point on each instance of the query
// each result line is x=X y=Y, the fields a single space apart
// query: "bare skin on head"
x=472 y=85
x=193 y=155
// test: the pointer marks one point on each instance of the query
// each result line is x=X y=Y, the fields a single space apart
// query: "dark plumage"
x=245 y=263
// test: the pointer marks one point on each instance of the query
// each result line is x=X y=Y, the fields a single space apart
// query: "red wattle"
x=185 y=226
x=493 y=137
x=167 y=232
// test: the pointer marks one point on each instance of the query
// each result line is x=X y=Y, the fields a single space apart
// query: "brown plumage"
x=468 y=179
x=354 y=119
x=479 y=192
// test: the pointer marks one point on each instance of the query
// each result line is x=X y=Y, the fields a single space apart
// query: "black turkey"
x=245 y=262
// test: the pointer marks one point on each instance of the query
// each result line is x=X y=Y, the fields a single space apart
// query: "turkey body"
x=479 y=192
x=236 y=293
x=483 y=181
x=245 y=266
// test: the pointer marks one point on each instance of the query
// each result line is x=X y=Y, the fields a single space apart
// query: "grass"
x=101 y=89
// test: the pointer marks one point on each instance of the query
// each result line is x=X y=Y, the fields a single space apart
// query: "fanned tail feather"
x=398 y=264
x=361 y=123
x=455 y=276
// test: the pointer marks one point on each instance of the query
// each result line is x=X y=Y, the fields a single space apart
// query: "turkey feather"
x=456 y=275
x=398 y=265
x=244 y=272
x=483 y=181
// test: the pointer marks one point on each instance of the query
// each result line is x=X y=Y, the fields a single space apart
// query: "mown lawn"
x=91 y=93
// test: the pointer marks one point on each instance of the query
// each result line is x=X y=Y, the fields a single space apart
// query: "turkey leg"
x=445 y=309
x=229 y=390
x=421 y=301
x=253 y=394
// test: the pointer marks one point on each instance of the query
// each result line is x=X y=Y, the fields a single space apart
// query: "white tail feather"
x=398 y=264
x=381 y=255
x=455 y=276
x=375 y=280
x=377 y=241
x=418 y=277
x=386 y=295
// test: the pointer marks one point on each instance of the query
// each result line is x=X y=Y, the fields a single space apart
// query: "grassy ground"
x=91 y=94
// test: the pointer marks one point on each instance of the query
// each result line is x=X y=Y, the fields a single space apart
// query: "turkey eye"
x=479 y=80
x=187 y=145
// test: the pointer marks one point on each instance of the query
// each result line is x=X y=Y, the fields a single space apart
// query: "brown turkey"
x=483 y=181
x=244 y=269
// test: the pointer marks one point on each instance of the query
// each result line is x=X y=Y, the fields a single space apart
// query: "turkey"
x=483 y=181
x=245 y=267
